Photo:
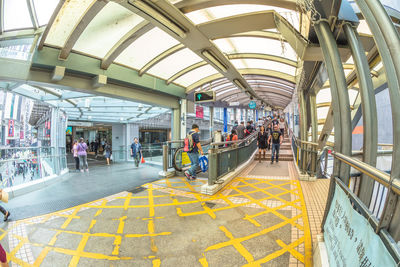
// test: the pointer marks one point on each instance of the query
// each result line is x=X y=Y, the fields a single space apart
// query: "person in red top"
x=233 y=136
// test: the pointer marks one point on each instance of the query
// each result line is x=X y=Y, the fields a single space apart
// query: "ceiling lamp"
x=214 y=60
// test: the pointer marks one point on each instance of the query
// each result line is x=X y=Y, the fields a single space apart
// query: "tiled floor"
x=315 y=196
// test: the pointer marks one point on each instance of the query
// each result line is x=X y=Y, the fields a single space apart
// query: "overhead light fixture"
x=239 y=84
x=215 y=61
x=150 y=11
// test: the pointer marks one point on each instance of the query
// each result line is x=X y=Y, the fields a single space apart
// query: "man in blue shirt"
x=194 y=153
x=136 y=151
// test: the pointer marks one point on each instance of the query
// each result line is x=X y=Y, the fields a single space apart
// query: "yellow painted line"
x=151 y=201
x=273 y=211
x=92 y=223
x=12 y=258
x=237 y=245
x=67 y=222
x=203 y=261
x=146 y=235
x=307 y=233
x=41 y=256
x=117 y=245
x=121 y=224
x=276 y=253
x=75 y=259
x=156 y=263
x=54 y=239
x=294 y=252
x=127 y=201
x=90 y=255
x=260 y=233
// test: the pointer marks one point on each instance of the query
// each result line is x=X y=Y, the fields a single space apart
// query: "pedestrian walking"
x=108 y=152
x=136 y=151
x=3 y=210
x=240 y=130
x=82 y=154
x=262 y=142
x=276 y=139
x=193 y=147
x=282 y=125
x=75 y=154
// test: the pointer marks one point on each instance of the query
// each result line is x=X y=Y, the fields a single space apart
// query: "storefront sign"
x=11 y=128
x=350 y=239
x=199 y=112
x=80 y=123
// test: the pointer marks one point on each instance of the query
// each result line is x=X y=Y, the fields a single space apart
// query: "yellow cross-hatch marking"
x=241 y=195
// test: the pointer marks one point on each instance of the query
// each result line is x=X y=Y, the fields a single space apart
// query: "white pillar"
x=183 y=121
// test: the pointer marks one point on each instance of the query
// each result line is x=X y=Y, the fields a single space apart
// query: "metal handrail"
x=237 y=141
x=378 y=175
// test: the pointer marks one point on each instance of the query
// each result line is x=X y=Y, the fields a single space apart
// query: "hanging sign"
x=11 y=128
x=199 y=112
x=350 y=239
x=252 y=105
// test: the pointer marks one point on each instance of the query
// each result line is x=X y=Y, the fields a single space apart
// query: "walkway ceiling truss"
x=190 y=43
x=163 y=40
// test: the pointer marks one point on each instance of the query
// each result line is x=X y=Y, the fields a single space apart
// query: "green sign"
x=208 y=96
x=252 y=105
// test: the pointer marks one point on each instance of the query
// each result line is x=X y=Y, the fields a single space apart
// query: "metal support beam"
x=1 y=16
x=368 y=105
x=176 y=124
x=89 y=15
x=50 y=24
x=32 y=13
x=303 y=131
x=388 y=43
x=160 y=57
x=340 y=96
x=314 y=131
x=211 y=122
x=124 y=42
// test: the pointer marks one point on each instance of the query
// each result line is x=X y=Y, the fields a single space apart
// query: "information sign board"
x=350 y=239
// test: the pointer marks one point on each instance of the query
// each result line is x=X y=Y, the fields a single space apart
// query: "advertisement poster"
x=11 y=128
x=199 y=112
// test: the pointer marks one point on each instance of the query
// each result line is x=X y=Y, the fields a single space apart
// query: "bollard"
x=165 y=158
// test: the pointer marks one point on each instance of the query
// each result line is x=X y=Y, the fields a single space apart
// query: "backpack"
x=188 y=143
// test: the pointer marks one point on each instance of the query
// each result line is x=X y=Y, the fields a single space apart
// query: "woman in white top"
x=282 y=125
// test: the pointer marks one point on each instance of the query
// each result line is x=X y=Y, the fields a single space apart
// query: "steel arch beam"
x=179 y=27
x=160 y=57
x=260 y=92
x=50 y=24
x=124 y=42
x=89 y=15
x=235 y=56
x=260 y=89
x=263 y=72
x=192 y=5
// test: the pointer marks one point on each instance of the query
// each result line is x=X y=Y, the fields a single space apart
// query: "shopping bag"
x=143 y=161
x=111 y=157
x=203 y=162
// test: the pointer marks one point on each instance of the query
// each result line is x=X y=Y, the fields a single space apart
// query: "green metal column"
x=368 y=105
x=303 y=132
x=388 y=42
x=211 y=121
x=314 y=132
x=340 y=95
x=175 y=124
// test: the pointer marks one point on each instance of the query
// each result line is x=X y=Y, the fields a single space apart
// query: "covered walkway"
x=167 y=222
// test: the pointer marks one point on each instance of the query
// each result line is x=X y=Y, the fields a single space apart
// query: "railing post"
x=212 y=166
x=165 y=157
